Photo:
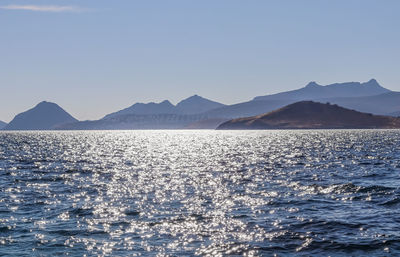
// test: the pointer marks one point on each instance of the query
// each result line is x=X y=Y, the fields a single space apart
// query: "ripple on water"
x=328 y=193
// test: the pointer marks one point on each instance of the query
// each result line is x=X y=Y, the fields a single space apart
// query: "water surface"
x=174 y=193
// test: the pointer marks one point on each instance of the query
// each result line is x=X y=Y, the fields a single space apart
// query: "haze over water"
x=254 y=193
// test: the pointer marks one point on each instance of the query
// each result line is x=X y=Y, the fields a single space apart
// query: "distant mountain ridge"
x=145 y=109
x=2 y=124
x=313 y=115
x=44 y=116
x=315 y=91
x=354 y=95
x=383 y=104
x=157 y=117
x=197 y=112
x=192 y=105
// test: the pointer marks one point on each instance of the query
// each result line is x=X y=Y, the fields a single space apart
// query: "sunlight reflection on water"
x=200 y=192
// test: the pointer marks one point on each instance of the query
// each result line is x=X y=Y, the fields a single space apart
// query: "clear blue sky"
x=94 y=57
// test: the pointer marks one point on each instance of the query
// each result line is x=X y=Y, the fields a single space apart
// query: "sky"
x=94 y=57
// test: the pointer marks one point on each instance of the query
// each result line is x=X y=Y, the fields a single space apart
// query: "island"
x=313 y=115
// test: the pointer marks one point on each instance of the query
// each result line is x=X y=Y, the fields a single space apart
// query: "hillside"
x=250 y=108
x=43 y=116
x=312 y=115
x=2 y=124
x=383 y=104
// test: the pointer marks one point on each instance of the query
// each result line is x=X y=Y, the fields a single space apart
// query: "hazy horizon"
x=96 y=57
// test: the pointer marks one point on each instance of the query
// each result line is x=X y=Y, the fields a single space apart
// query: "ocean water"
x=207 y=193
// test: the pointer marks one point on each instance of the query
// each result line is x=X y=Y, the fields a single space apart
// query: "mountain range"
x=367 y=97
x=192 y=105
x=197 y=112
x=313 y=115
x=315 y=91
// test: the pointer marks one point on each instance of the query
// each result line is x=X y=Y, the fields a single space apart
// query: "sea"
x=200 y=193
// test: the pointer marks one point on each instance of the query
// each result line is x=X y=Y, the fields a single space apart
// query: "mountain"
x=145 y=108
x=197 y=112
x=43 y=116
x=196 y=104
x=385 y=104
x=380 y=103
x=315 y=91
x=188 y=113
x=250 y=108
x=2 y=124
x=312 y=115
x=192 y=105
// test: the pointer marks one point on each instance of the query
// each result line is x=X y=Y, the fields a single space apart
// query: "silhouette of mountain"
x=192 y=105
x=196 y=104
x=314 y=91
x=312 y=115
x=166 y=115
x=43 y=116
x=385 y=104
x=145 y=108
x=2 y=124
x=250 y=108
x=198 y=112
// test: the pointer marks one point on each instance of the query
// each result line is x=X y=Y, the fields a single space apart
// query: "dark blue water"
x=174 y=193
